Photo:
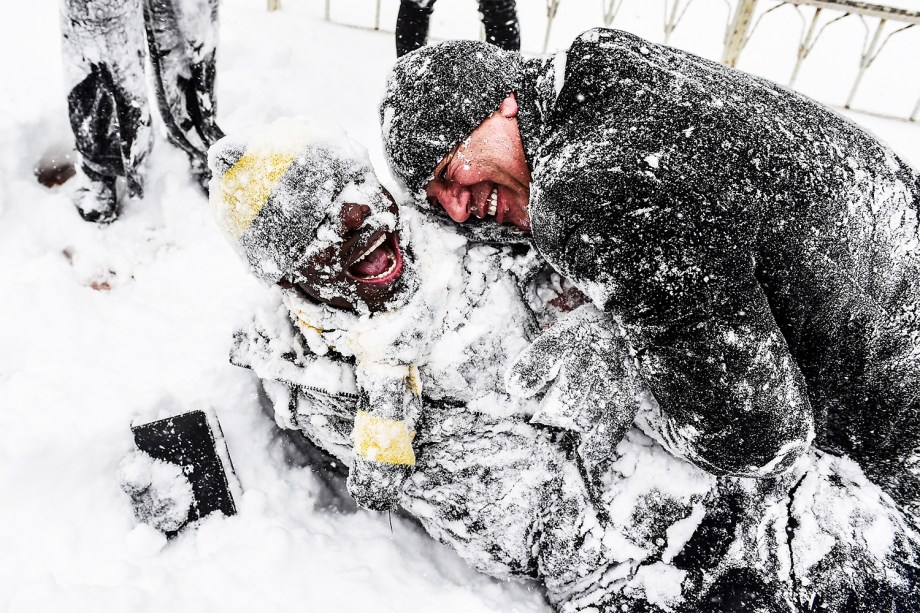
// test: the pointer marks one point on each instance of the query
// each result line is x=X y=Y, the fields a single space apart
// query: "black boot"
x=96 y=199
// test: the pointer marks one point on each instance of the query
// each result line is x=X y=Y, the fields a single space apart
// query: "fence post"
x=804 y=47
x=673 y=18
x=274 y=5
x=737 y=37
x=551 y=7
x=915 y=116
x=865 y=61
x=610 y=8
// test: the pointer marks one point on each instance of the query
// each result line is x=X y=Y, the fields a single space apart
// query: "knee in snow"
x=749 y=455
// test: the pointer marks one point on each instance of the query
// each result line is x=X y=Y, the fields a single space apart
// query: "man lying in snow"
x=760 y=251
x=643 y=529
x=304 y=208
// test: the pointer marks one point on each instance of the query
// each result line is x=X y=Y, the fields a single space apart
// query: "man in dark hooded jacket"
x=759 y=251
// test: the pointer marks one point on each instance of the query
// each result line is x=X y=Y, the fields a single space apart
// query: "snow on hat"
x=435 y=97
x=271 y=191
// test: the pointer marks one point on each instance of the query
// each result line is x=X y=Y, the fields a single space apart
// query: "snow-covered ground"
x=100 y=324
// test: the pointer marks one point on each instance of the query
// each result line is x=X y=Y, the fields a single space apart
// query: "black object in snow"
x=187 y=440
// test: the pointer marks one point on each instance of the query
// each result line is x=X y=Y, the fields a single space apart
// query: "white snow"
x=660 y=583
x=100 y=324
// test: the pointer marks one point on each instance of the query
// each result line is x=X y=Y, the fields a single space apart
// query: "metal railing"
x=743 y=27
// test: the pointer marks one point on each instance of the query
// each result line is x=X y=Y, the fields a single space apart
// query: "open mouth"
x=380 y=262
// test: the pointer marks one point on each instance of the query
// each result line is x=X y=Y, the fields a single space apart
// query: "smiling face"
x=486 y=176
x=357 y=261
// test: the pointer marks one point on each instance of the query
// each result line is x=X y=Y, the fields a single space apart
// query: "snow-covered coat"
x=443 y=338
x=760 y=250
x=652 y=533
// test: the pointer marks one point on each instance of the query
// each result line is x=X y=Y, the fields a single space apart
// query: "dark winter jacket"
x=760 y=250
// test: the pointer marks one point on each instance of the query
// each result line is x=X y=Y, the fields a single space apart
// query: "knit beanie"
x=436 y=96
x=271 y=191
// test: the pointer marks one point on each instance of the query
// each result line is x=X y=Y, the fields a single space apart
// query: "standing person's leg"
x=104 y=70
x=182 y=37
x=412 y=25
x=501 y=23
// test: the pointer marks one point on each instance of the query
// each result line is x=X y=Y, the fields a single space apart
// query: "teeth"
x=492 y=206
x=371 y=249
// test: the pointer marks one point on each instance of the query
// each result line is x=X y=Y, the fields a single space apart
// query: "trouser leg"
x=874 y=416
x=574 y=552
x=412 y=25
x=182 y=38
x=501 y=23
x=107 y=99
x=510 y=499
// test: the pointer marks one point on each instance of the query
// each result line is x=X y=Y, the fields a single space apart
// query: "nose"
x=454 y=199
x=353 y=215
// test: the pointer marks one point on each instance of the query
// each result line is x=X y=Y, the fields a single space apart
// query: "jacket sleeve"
x=732 y=399
x=644 y=219
x=643 y=195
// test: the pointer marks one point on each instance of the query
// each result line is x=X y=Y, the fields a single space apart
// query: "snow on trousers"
x=505 y=494
x=499 y=17
x=509 y=497
x=104 y=55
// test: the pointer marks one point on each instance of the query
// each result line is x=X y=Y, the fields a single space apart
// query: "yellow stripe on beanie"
x=379 y=439
x=248 y=185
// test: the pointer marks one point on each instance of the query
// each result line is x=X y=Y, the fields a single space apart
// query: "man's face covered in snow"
x=356 y=260
x=486 y=175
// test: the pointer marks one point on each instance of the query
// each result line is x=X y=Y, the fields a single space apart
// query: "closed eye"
x=442 y=176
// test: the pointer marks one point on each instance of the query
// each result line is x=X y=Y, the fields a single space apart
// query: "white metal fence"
x=742 y=21
x=880 y=23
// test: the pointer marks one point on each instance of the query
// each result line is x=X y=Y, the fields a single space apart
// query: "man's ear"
x=509 y=107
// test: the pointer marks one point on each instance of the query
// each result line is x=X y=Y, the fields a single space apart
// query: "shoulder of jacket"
x=610 y=39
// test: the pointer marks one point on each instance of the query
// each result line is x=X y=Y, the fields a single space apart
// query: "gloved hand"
x=382 y=434
x=592 y=384
x=383 y=458
x=160 y=493
x=375 y=486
